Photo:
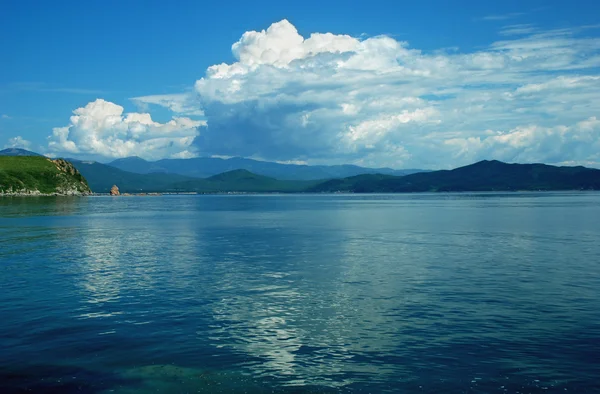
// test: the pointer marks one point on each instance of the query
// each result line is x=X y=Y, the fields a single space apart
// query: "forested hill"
x=482 y=176
x=38 y=175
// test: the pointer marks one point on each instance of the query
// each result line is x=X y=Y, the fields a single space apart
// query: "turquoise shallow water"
x=423 y=293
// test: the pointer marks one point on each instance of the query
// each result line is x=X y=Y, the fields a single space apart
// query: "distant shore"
x=158 y=194
x=38 y=194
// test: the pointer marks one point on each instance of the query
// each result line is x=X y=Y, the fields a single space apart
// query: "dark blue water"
x=440 y=293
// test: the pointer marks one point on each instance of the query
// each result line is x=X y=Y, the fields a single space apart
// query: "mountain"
x=482 y=176
x=244 y=181
x=17 y=152
x=40 y=175
x=137 y=165
x=202 y=167
x=102 y=177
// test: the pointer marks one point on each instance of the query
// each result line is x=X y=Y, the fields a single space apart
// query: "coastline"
x=39 y=194
x=159 y=194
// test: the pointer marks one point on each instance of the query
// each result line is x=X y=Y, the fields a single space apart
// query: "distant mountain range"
x=203 y=167
x=482 y=176
x=101 y=177
x=17 y=152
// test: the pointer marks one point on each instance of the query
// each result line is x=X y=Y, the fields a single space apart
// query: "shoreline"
x=45 y=194
x=159 y=194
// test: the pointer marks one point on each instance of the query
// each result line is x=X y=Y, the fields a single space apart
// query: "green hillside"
x=203 y=167
x=17 y=152
x=245 y=182
x=102 y=177
x=355 y=184
x=482 y=176
x=40 y=175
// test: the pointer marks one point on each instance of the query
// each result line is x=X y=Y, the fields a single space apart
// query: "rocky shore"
x=37 y=193
x=32 y=176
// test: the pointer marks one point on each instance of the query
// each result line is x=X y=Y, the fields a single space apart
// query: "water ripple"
x=487 y=292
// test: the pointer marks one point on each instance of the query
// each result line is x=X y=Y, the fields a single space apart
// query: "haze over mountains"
x=203 y=167
x=134 y=174
x=17 y=152
x=101 y=177
x=481 y=176
x=485 y=175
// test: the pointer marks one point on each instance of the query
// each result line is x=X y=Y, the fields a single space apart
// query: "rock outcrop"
x=39 y=175
x=71 y=181
x=114 y=191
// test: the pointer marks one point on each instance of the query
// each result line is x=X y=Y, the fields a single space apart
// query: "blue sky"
x=469 y=80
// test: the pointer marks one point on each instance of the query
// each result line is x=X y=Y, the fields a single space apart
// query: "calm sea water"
x=423 y=293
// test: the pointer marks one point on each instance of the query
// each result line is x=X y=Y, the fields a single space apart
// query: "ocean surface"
x=418 y=293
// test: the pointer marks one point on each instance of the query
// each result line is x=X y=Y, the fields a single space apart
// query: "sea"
x=405 y=293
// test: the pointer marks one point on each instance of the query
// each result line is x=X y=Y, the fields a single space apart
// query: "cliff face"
x=70 y=180
x=29 y=175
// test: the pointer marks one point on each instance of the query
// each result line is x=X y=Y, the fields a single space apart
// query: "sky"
x=429 y=84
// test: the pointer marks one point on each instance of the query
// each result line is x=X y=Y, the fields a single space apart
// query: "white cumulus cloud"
x=182 y=103
x=560 y=83
x=336 y=98
x=18 y=142
x=101 y=128
x=534 y=143
x=534 y=95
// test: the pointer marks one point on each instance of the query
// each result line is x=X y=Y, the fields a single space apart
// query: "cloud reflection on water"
x=308 y=302
x=369 y=292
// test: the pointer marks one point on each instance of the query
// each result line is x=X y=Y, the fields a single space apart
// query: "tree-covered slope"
x=244 y=181
x=102 y=177
x=482 y=176
x=203 y=167
x=40 y=175
x=17 y=152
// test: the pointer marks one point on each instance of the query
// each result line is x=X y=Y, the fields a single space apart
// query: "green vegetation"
x=483 y=176
x=47 y=176
x=354 y=184
x=244 y=182
x=102 y=177
x=40 y=175
x=17 y=152
x=204 y=167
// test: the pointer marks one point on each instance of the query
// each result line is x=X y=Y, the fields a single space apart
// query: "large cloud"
x=18 y=142
x=534 y=95
x=376 y=101
x=100 y=128
x=180 y=103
